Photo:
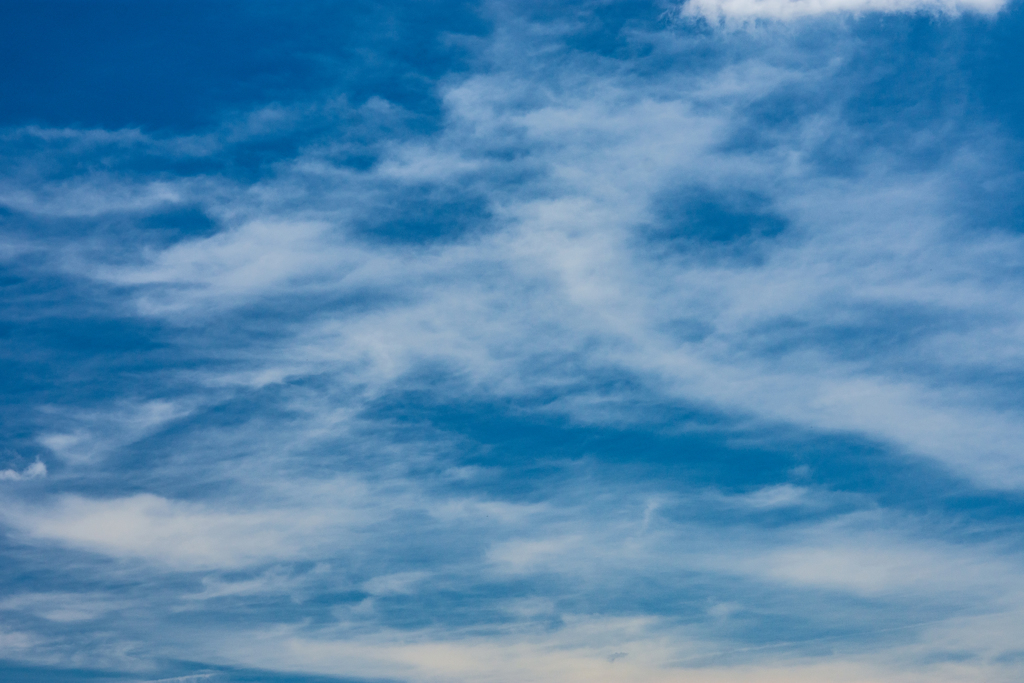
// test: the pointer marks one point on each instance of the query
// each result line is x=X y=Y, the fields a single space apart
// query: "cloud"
x=580 y=276
x=16 y=643
x=747 y=10
x=63 y=607
x=371 y=437
x=583 y=650
x=782 y=495
x=394 y=584
x=99 y=196
x=33 y=471
x=875 y=563
x=177 y=534
x=86 y=436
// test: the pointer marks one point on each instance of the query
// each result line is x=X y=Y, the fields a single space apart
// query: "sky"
x=606 y=341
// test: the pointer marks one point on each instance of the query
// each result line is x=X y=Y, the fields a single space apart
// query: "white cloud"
x=566 y=285
x=876 y=563
x=561 y=290
x=83 y=437
x=15 y=644
x=588 y=648
x=33 y=471
x=577 y=274
x=773 y=497
x=179 y=534
x=63 y=607
x=90 y=197
x=746 y=10
x=394 y=584
x=236 y=264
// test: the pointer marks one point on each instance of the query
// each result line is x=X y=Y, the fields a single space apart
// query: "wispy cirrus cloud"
x=723 y=324
x=529 y=395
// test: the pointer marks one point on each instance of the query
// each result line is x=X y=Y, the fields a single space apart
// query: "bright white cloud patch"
x=745 y=10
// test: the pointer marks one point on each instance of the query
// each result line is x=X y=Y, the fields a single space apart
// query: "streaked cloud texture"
x=512 y=342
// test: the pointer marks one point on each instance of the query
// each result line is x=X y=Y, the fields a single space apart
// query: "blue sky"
x=511 y=342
